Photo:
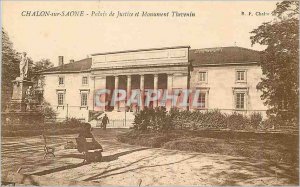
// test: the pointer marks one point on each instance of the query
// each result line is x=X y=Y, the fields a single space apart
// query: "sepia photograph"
x=150 y=93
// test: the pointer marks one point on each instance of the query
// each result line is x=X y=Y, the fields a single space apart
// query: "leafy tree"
x=35 y=69
x=39 y=66
x=42 y=65
x=280 y=59
x=10 y=68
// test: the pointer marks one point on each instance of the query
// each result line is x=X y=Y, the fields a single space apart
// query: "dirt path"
x=130 y=165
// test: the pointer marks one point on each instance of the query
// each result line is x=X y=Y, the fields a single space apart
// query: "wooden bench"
x=48 y=150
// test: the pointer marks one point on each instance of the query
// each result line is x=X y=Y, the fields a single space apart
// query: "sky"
x=216 y=24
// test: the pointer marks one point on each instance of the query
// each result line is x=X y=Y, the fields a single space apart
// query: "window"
x=241 y=76
x=60 y=97
x=84 y=97
x=61 y=80
x=85 y=80
x=240 y=97
x=202 y=76
x=240 y=101
x=201 y=100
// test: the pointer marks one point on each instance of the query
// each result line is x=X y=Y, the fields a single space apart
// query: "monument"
x=20 y=85
x=20 y=109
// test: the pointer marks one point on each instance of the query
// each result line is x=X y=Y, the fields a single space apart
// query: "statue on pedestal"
x=22 y=106
x=23 y=66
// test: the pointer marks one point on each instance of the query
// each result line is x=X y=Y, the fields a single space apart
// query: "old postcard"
x=150 y=93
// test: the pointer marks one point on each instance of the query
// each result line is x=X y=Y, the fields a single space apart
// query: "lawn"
x=277 y=147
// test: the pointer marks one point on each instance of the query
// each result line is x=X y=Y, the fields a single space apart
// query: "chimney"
x=72 y=60
x=60 y=60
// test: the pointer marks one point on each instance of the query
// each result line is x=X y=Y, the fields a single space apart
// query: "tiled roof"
x=207 y=56
x=223 y=55
x=78 y=66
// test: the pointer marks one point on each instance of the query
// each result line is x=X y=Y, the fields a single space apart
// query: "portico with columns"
x=156 y=69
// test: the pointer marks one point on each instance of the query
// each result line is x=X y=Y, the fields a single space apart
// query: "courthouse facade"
x=226 y=78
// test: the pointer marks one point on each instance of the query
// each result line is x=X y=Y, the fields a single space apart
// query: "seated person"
x=86 y=133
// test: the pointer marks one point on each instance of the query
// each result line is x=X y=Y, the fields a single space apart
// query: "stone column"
x=169 y=88
x=128 y=93
x=116 y=107
x=155 y=88
x=99 y=84
x=170 y=82
x=142 y=79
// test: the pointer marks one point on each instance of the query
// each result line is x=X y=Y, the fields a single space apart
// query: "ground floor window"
x=60 y=98
x=240 y=101
x=84 y=97
x=202 y=100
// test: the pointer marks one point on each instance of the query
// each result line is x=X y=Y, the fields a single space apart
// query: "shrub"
x=71 y=123
x=255 y=120
x=177 y=117
x=276 y=122
x=13 y=127
x=142 y=120
x=24 y=133
x=213 y=119
x=158 y=120
x=48 y=111
x=197 y=119
x=152 y=120
x=237 y=121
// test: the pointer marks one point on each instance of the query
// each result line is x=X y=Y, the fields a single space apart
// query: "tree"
x=39 y=66
x=48 y=111
x=10 y=68
x=35 y=70
x=42 y=65
x=279 y=61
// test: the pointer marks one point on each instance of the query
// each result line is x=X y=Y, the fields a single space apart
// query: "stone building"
x=226 y=78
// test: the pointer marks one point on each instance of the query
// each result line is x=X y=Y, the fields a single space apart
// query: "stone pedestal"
x=18 y=102
x=20 y=110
